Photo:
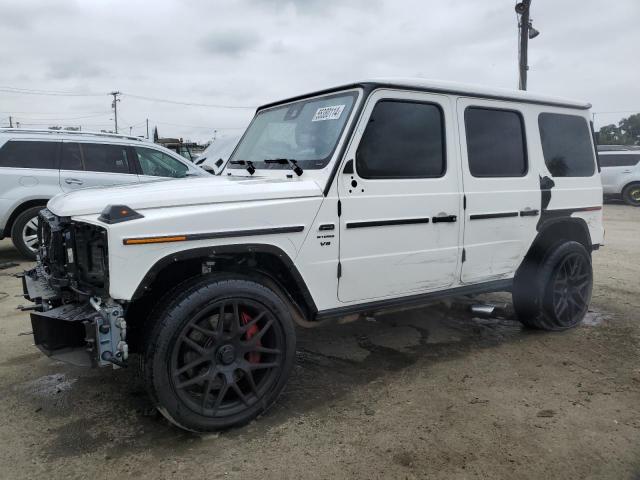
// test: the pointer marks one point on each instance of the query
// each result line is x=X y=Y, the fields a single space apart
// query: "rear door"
x=85 y=164
x=502 y=193
x=400 y=199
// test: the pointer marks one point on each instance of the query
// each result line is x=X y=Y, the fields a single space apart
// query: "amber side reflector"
x=140 y=241
x=591 y=209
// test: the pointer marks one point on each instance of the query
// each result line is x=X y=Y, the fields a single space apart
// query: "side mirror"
x=207 y=168
x=200 y=161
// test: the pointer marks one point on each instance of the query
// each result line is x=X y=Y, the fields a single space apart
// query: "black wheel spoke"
x=227 y=357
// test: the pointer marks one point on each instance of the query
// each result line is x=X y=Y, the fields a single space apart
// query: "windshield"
x=306 y=131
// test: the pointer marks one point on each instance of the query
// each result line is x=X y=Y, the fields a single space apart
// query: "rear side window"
x=29 y=154
x=566 y=145
x=495 y=142
x=105 y=158
x=402 y=140
x=617 y=160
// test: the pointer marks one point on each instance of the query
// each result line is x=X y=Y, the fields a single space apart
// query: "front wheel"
x=24 y=233
x=220 y=353
x=555 y=294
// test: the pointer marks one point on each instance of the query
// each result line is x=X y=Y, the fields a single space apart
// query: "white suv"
x=370 y=196
x=621 y=173
x=36 y=165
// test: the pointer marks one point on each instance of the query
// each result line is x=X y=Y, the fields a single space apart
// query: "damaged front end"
x=73 y=319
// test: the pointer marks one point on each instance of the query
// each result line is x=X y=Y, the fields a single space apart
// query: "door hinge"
x=339 y=269
x=339 y=208
x=464 y=254
x=464 y=202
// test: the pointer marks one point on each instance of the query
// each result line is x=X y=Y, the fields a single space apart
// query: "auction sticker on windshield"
x=328 y=113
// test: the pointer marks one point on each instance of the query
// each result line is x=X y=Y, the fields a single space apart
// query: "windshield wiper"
x=287 y=161
x=250 y=168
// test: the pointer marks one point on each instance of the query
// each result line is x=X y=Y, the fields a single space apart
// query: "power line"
x=190 y=104
x=27 y=91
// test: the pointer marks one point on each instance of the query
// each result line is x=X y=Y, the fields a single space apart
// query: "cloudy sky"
x=243 y=53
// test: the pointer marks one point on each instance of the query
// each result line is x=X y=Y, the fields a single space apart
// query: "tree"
x=627 y=132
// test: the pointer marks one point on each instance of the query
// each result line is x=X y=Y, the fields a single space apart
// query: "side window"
x=402 y=140
x=158 y=164
x=71 y=157
x=495 y=142
x=29 y=154
x=617 y=160
x=566 y=144
x=105 y=158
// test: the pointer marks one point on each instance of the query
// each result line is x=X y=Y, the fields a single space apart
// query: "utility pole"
x=147 y=129
x=10 y=122
x=114 y=105
x=526 y=32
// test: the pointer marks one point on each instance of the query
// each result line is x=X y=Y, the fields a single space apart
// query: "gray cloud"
x=78 y=68
x=229 y=43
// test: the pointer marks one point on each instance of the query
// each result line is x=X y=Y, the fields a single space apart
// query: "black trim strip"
x=569 y=211
x=484 y=216
x=214 y=235
x=417 y=300
x=384 y=223
x=529 y=213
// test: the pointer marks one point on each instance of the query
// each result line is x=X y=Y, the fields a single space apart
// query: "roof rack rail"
x=71 y=132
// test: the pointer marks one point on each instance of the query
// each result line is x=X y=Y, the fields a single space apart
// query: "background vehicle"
x=365 y=197
x=36 y=165
x=215 y=156
x=621 y=173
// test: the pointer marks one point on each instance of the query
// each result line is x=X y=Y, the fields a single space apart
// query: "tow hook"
x=111 y=333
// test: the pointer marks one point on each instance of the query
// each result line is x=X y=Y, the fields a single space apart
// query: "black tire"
x=631 y=194
x=554 y=294
x=205 y=375
x=22 y=222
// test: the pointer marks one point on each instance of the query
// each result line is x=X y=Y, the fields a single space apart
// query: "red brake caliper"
x=254 y=357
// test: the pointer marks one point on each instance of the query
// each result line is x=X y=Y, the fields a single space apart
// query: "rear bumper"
x=88 y=334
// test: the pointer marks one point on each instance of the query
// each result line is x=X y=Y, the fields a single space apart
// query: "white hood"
x=180 y=192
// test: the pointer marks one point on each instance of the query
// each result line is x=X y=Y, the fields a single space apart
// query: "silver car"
x=36 y=165
x=621 y=173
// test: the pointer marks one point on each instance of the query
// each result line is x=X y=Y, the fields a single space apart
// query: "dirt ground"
x=429 y=393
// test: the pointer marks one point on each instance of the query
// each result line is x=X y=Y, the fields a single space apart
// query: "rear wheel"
x=555 y=294
x=220 y=353
x=24 y=232
x=631 y=194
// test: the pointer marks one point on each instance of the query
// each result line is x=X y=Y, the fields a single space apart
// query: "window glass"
x=158 y=164
x=71 y=157
x=306 y=131
x=402 y=140
x=618 y=160
x=566 y=144
x=495 y=143
x=29 y=154
x=105 y=158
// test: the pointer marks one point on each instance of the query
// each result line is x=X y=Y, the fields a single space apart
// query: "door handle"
x=529 y=213
x=73 y=181
x=626 y=171
x=444 y=218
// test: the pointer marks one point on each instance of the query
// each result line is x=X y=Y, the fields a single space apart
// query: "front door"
x=502 y=190
x=400 y=196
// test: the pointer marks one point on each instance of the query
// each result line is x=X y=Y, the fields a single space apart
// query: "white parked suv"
x=621 y=173
x=36 y=165
x=376 y=195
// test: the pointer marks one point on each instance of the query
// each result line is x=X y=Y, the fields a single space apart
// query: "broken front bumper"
x=91 y=333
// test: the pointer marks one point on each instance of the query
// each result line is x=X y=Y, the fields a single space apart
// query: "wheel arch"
x=264 y=259
x=35 y=202
x=555 y=229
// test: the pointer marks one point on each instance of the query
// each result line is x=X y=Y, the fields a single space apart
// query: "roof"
x=73 y=133
x=438 y=86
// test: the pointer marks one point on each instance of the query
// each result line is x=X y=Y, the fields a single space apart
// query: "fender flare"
x=212 y=252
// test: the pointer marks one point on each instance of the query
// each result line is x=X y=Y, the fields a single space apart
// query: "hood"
x=180 y=192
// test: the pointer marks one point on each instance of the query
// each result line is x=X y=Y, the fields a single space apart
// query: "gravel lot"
x=430 y=393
